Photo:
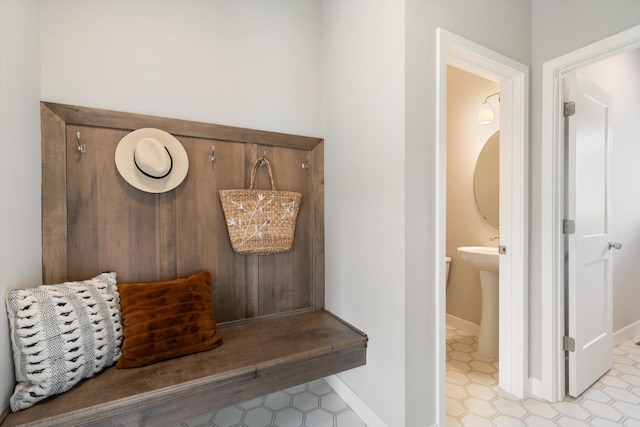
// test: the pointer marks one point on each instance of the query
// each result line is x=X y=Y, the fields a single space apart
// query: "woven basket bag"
x=260 y=222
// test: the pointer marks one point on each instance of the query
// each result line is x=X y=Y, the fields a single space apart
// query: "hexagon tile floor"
x=474 y=399
x=314 y=404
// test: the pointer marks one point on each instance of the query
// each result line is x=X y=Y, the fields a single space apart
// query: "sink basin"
x=483 y=257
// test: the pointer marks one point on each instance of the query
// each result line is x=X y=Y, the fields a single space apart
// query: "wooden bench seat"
x=258 y=357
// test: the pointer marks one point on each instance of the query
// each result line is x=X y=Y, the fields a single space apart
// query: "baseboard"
x=625 y=333
x=463 y=325
x=366 y=414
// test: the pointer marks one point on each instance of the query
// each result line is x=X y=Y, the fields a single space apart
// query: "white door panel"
x=589 y=265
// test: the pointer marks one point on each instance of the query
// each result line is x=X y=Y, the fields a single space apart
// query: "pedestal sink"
x=486 y=260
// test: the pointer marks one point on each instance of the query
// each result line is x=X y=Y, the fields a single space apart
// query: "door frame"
x=551 y=386
x=514 y=112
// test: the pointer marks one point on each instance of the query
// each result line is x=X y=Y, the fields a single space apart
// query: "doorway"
x=472 y=203
x=513 y=330
x=552 y=384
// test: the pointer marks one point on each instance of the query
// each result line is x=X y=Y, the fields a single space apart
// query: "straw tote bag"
x=260 y=222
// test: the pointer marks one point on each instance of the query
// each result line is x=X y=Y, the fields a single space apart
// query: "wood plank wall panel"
x=54 y=197
x=113 y=226
x=167 y=236
x=118 y=215
x=252 y=262
x=316 y=163
x=285 y=279
x=203 y=242
x=94 y=221
x=82 y=209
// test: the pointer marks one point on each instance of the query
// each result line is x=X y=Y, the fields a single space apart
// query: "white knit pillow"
x=61 y=334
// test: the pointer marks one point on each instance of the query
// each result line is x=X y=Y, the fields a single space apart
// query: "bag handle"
x=254 y=170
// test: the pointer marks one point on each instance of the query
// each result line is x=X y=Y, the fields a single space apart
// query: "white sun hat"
x=151 y=160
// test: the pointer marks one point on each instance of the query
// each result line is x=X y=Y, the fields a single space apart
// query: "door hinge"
x=568 y=226
x=569 y=109
x=568 y=344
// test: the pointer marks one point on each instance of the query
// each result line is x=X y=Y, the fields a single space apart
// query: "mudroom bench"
x=258 y=357
x=269 y=309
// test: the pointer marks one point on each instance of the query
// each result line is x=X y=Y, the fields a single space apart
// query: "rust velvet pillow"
x=163 y=320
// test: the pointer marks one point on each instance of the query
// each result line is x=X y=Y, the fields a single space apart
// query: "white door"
x=589 y=260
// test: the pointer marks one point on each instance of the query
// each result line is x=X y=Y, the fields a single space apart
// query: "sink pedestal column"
x=489 y=320
x=486 y=259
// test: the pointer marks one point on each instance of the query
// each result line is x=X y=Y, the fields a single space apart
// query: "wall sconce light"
x=486 y=115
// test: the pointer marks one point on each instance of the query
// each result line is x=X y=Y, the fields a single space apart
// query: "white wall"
x=465 y=224
x=620 y=76
x=20 y=229
x=363 y=112
x=252 y=64
x=560 y=27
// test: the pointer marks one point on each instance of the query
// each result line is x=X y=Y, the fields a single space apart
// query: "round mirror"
x=486 y=181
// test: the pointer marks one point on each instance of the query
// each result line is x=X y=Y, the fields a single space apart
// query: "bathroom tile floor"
x=314 y=404
x=475 y=400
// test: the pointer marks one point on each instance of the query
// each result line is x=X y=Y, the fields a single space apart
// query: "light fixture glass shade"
x=485 y=115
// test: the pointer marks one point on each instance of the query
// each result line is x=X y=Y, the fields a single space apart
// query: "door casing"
x=551 y=385
x=514 y=87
